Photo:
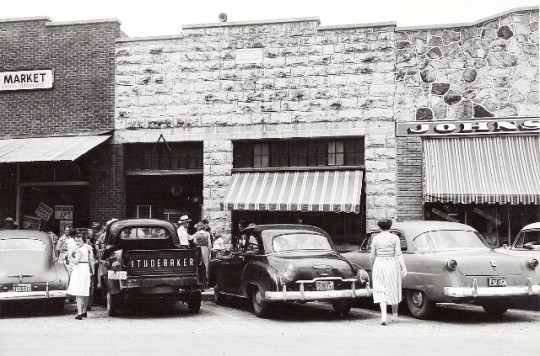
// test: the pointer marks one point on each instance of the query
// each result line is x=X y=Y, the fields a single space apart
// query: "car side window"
x=402 y=240
x=252 y=245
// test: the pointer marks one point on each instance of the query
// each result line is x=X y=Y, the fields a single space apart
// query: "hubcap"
x=258 y=300
x=417 y=299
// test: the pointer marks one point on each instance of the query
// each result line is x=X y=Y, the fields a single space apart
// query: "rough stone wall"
x=82 y=58
x=313 y=81
x=490 y=69
x=454 y=73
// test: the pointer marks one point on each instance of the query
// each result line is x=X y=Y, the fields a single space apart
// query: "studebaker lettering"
x=163 y=262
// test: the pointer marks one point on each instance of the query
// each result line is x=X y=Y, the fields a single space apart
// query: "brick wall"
x=82 y=58
x=409 y=178
x=312 y=81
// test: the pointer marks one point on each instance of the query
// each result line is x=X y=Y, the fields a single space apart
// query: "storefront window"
x=172 y=156
x=299 y=153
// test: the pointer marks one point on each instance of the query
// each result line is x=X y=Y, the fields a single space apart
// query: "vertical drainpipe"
x=18 y=202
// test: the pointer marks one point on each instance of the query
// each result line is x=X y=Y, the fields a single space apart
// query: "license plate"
x=22 y=288
x=497 y=282
x=117 y=274
x=324 y=285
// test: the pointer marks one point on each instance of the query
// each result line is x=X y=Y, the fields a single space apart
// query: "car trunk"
x=33 y=266
x=485 y=263
x=307 y=266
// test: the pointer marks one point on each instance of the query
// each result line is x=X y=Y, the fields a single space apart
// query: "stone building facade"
x=302 y=81
x=458 y=72
x=80 y=103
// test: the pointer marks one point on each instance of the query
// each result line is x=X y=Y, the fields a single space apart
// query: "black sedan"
x=297 y=263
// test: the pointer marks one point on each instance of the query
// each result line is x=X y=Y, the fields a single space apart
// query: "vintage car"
x=279 y=263
x=526 y=244
x=451 y=262
x=143 y=259
x=28 y=270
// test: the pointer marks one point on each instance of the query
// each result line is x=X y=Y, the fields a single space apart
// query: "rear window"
x=144 y=233
x=300 y=241
x=22 y=244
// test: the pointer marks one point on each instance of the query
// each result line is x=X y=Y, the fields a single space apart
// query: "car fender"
x=261 y=275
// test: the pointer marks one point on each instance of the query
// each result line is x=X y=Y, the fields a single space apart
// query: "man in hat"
x=182 y=231
x=9 y=224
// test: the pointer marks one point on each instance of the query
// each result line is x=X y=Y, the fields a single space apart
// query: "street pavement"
x=310 y=329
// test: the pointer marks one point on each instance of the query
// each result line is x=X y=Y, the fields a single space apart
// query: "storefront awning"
x=482 y=170
x=47 y=149
x=330 y=191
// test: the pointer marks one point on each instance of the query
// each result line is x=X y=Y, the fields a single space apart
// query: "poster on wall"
x=64 y=224
x=63 y=212
x=31 y=223
x=44 y=211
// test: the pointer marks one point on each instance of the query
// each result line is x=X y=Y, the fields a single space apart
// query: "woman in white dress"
x=388 y=269
x=79 y=283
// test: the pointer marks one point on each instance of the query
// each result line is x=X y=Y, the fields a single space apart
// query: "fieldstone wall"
x=310 y=81
x=488 y=69
x=485 y=70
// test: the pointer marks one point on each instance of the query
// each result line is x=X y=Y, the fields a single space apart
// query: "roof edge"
x=23 y=19
x=84 y=22
x=469 y=24
x=357 y=25
x=149 y=38
x=248 y=23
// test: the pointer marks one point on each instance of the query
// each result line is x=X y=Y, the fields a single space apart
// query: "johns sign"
x=466 y=128
x=26 y=80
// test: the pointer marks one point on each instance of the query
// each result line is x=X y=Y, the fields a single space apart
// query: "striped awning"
x=330 y=191
x=47 y=149
x=482 y=170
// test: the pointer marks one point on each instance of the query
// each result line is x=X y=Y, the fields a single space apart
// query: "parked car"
x=451 y=262
x=28 y=270
x=526 y=244
x=287 y=263
x=143 y=259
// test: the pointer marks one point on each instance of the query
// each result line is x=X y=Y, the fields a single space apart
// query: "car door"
x=239 y=260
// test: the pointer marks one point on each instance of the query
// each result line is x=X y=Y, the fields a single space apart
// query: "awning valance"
x=482 y=170
x=47 y=149
x=330 y=191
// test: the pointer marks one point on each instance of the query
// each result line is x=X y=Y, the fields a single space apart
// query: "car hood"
x=484 y=262
x=34 y=266
x=309 y=265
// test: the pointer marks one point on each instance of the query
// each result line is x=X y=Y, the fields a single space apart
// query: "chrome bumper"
x=475 y=291
x=303 y=295
x=33 y=295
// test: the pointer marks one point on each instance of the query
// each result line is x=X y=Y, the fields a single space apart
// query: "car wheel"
x=112 y=304
x=260 y=307
x=495 y=309
x=342 y=307
x=194 y=303
x=419 y=305
x=219 y=298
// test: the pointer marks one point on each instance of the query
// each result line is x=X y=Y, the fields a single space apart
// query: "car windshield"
x=448 y=240
x=22 y=244
x=300 y=241
x=143 y=233
x=530 y=237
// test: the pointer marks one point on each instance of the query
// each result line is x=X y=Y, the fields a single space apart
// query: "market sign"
x=44 y=211
x=63 y=212
x=26 y=80
x=467 y=128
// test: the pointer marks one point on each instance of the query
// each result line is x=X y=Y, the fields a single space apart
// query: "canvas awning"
x=47 y=149
x=482 y=170
x=329 y=191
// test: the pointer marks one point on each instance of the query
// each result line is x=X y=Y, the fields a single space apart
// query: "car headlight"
x=452 y=264
x=533 y=263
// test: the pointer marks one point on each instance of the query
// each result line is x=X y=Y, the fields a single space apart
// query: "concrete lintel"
x=357 y=25
x=468 y=24
x=251 y=23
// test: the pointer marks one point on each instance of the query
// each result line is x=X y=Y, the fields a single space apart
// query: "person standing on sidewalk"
x=79 y=283
x=388 y=268
x=202 y=240
x=183 y=235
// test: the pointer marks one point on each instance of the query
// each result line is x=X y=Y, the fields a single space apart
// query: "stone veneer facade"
x=462 y=71
x=313 y=81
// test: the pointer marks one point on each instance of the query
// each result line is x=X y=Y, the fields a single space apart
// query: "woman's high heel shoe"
x=84 y=315
x=79 y=317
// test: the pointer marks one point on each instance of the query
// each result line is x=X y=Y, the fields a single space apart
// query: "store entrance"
x=164 y=196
